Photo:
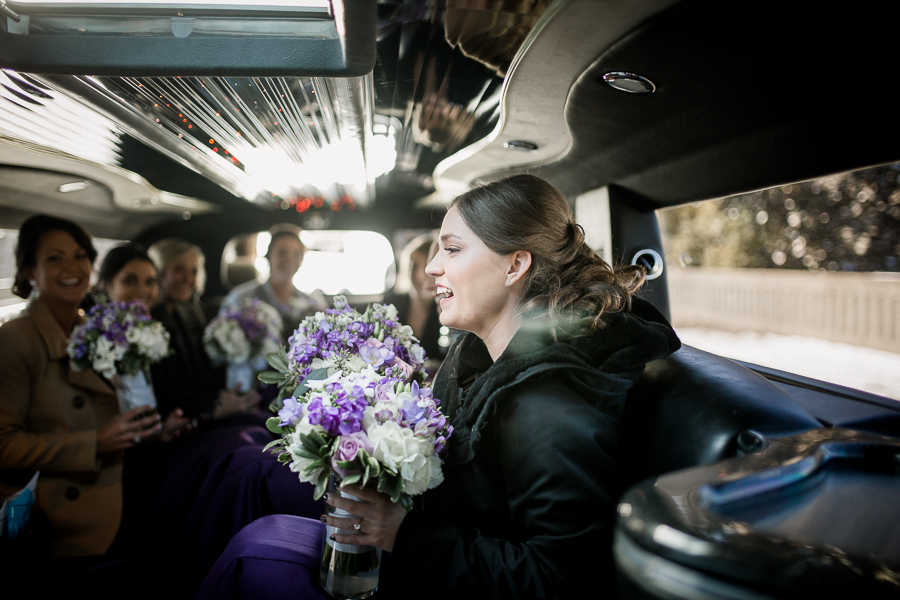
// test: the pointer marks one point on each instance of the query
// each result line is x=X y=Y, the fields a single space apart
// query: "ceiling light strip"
x=323 y=140
x=293 y=114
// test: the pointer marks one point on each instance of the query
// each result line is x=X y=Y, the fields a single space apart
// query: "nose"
x=434 y=268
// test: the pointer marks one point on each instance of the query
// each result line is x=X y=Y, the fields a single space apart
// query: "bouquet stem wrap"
x=347 y=570
x=134 y=390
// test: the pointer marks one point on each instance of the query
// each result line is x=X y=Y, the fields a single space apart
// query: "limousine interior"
x=214 y=121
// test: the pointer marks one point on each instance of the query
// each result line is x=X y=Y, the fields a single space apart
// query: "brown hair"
x=567 y=279
x=284 y=230
x=166 y=251
x=30 y=236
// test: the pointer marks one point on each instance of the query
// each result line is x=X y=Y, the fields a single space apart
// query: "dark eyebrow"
x=447 y=236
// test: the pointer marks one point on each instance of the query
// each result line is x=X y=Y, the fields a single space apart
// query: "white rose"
x=154 y=341
x=133 y=334
x=437 y=475
x=402 y=452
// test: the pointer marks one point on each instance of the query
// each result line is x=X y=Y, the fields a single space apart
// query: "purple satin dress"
x=276 y=557
x=184 y=503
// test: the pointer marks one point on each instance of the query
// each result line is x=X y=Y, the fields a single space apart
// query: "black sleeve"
x=555 y=454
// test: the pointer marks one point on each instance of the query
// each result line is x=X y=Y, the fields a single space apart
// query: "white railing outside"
x=862 y=309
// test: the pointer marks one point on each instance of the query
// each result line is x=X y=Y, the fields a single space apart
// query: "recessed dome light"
x=74 y=186
x=629 y=82
x=521 y=146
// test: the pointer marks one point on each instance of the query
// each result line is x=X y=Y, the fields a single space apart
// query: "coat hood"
x=601 y=367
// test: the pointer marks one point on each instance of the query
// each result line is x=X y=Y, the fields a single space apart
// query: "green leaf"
x=317 y=374
x=272 y=424
x=365 y=479
x=278 y=360
x=310 y=444
x=318 y=464
x=276 y=405
x=406 y=502
x=318 y=438
x=321 y=484
x=271 y=377
x=303 y=452
x=390 y=484
x=284 y=457
x=347 y=465
x=275 y=444
x=351 y=479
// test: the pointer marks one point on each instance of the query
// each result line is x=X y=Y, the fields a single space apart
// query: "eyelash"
x=451 y=250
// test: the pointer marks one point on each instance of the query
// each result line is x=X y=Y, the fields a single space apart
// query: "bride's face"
x=470 y=279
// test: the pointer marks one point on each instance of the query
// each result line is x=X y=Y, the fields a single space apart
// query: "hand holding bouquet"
x=353 y=404
x=353 y=410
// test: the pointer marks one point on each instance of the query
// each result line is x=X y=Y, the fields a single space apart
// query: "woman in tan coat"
x=63 y=423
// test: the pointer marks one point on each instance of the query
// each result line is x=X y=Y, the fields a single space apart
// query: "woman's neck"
x=501 y=333
x=283 y=290
x=64 y=314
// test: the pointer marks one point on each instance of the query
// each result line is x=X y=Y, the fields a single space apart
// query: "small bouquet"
x=243 y=336
x=353 y=410
x=120 y=341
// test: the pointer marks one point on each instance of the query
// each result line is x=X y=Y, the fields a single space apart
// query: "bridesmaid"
x=185 y=500
x=187 y=379
x=63 y=423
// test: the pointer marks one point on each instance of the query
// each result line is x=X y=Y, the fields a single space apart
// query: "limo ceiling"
x=743 y=98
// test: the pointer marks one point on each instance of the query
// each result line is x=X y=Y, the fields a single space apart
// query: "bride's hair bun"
x=567 y=279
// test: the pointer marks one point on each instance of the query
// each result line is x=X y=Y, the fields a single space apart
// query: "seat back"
x=694 y=408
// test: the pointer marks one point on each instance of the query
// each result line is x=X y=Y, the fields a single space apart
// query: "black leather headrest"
x=690 y=408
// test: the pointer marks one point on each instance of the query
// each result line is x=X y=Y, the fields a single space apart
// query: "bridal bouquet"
x=243 y=336
x=120 y=341
x=354 y=411
x=353 y=404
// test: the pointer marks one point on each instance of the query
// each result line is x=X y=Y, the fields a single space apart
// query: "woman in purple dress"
x=184 y=500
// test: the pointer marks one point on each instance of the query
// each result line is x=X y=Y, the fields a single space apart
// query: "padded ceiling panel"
x=748 y=96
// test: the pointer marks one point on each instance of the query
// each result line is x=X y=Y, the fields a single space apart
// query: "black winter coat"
x=532 y=477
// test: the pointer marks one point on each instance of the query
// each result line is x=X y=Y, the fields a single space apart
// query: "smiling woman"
x=60 y=422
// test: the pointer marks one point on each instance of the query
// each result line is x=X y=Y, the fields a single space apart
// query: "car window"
x=802 y=277
x=358 y=263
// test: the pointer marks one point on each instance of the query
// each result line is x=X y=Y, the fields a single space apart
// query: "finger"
x=134 y=412
x=152 y=431
x=347 y=524
x=360 y=509
x=145 y=423
x=367 y=494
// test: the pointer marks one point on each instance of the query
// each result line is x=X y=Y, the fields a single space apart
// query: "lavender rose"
x=348 y=447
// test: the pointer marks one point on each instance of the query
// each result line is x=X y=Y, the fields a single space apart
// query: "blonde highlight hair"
x=567 y=280
x=166 y=251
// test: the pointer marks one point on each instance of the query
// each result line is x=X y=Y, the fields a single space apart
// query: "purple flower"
x=348 y=447
x=291 y=413
x=375 y=354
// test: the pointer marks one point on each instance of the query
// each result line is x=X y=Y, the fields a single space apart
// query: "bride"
x=534 y=392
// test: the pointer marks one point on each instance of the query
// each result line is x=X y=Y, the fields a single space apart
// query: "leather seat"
x=695 y=408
